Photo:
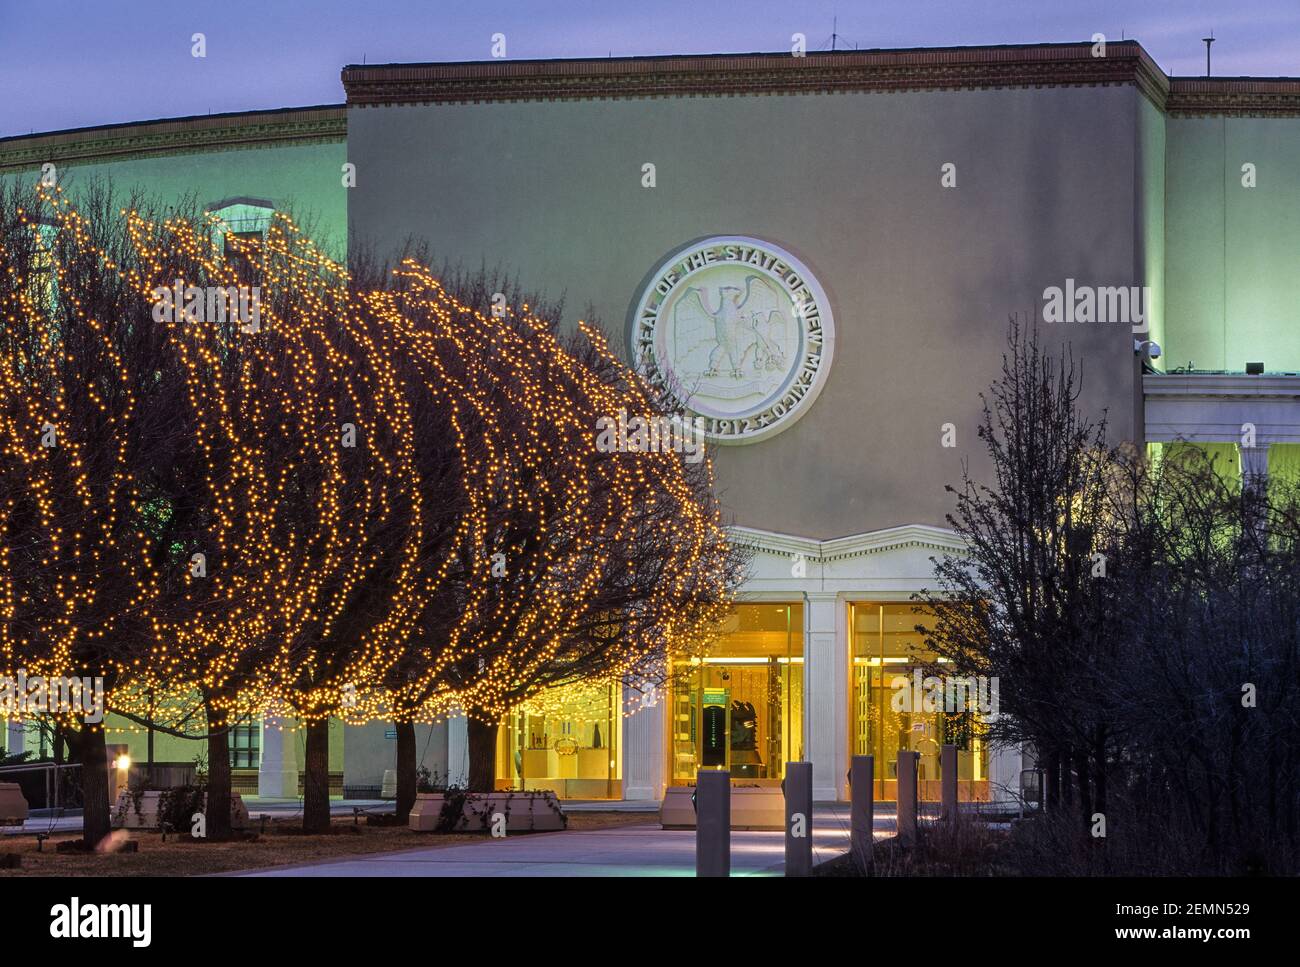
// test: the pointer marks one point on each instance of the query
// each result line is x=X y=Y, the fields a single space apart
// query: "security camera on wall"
x=1148 y=349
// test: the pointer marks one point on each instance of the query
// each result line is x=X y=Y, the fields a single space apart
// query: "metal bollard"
x=712 y=823
x=948 y=772
x=798 y=819
x=862 y=810
x=907 y=797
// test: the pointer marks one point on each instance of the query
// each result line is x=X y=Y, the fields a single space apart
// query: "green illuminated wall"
x=175 y=748
x=1233 y=253
x=304 y=179
x=1150 y=217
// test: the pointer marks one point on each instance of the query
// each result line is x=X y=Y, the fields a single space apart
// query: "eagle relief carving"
x=739 y=332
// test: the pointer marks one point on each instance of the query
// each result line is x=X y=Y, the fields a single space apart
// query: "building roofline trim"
x=1235 y=96
x=246 y=129
x=912 y=69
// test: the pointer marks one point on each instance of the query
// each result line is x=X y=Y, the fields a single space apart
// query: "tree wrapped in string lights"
x=85 y=392
x=574 y=563
x=311 y=394
x=370 y=502
x=211 y=515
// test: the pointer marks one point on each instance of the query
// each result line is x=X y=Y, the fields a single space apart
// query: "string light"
x=296 y=527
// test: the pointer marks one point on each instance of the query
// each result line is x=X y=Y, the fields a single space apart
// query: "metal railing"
x=46 y=785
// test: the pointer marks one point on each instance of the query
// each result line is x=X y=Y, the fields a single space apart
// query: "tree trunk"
x=316 y=778
x=96 y=816
x=1051 y=782
x=1084 y=783
x=406 y=770
x=72 y=745
x=482 y=753
x=218 y=811
x=149 y=745
x=1099 y=770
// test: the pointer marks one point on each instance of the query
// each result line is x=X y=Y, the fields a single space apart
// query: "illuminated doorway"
x=741 y=708
x=887 y=651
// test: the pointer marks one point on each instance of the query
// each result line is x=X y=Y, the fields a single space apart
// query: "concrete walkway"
x=637 y=850
x=47 y=821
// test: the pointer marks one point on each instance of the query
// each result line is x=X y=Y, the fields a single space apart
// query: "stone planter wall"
x=125 y=815
x=525 y=812
x=752 y=807
x=13 y=804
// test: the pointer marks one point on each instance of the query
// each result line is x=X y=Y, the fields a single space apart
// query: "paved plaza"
x=635 y=850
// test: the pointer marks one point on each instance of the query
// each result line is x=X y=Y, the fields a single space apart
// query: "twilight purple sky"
x=66 y=64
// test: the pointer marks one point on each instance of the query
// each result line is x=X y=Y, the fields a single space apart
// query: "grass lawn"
x=279 y=847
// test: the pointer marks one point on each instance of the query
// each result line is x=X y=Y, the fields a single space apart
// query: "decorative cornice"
x=1214 y=386
x=1234 y=97
x=855 y=545
x=240 y=200
x=213 y=132
x=726 y=75
x=1216 y=407
x=715 y=75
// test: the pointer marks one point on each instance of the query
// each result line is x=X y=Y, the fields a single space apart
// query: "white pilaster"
x=1254 y=462
x=1005 y=763
x=825 y=695
x=15 y=738
x=457 y=751
x=644 y=755
x=277 y=773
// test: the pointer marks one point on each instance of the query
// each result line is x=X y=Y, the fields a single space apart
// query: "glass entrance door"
x=888 y=659
x=741 y=708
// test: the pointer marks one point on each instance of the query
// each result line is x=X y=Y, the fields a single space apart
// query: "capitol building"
x=818 y=256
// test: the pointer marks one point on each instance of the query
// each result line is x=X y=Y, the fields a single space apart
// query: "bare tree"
x=1142 y=617
x=1025 y=603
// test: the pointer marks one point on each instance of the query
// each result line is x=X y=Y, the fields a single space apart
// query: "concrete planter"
x=524 y=812
x=752 y=807
x=125 y=815
x=13 y=804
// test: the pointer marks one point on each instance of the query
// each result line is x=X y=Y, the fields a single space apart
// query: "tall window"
x=240 y=218
x=245 y=750
x=43 y=286
x=889 y=713
x=741 y=707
